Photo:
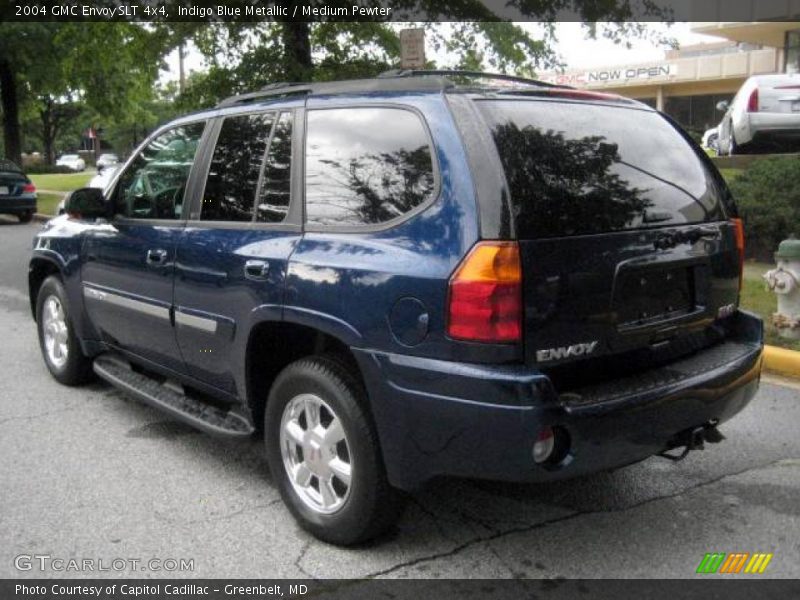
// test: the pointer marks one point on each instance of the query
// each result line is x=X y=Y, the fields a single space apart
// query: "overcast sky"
x=577 y=52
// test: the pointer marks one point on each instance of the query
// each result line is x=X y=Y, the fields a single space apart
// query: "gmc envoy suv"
x=418 y=275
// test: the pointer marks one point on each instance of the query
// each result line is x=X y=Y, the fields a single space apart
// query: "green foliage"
x=245 y=56
x=768 y=195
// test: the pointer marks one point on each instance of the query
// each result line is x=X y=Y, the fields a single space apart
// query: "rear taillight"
x=752 y=102
x=485 y=296
x=28 y=188
x=738 y=232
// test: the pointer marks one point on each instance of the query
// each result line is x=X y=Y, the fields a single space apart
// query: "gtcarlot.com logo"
x=46 y=562
x=734 y=563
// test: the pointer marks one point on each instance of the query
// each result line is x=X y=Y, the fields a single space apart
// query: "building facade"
x=688 y=83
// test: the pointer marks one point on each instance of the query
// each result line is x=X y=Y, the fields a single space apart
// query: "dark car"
x=418 y=275
x=17 y=193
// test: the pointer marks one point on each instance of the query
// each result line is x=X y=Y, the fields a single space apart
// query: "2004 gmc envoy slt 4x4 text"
x=418 y=275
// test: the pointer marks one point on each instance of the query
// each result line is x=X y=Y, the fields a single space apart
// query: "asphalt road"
x=89 y=473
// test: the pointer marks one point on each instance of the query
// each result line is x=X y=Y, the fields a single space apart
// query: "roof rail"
x=281 y=88
x=461 y=73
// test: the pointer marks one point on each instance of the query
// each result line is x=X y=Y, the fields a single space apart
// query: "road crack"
x=555 y=520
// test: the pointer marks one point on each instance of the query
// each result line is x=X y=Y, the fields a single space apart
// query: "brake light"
x=752 y=103
x=485 y=295
x=28 y=188
x=738 y=232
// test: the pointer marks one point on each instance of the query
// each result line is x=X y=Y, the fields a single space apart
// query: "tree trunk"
x=48 y=135
x=11 y=130
x=297 y=50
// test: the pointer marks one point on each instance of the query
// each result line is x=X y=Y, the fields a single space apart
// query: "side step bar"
x=190 y=410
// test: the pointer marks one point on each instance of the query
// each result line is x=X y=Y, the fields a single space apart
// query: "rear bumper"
x=773 y=125
x=442 y=418
x=14 y=205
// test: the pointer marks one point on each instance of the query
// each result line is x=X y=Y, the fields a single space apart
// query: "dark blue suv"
x=423 y=274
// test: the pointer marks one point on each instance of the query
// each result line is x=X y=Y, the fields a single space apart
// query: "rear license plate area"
x=651 y=295
x=3 y=190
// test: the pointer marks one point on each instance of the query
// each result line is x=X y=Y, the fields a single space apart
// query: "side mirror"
x=87 y=203
x=723 y=105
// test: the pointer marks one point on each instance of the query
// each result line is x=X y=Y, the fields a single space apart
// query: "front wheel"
x=60 y=348
x=324 y=455
x=25 y=217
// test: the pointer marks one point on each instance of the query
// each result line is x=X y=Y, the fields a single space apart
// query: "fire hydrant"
x=785 y=282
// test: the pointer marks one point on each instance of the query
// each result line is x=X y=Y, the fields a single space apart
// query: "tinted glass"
x=154 y=184
x=365 y=165
x=235 y=167
x=575 y=168
x=273 y=197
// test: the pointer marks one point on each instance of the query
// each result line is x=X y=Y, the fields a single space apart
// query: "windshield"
x=577 y=168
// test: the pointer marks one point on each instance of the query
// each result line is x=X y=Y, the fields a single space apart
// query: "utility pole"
x=181 y=73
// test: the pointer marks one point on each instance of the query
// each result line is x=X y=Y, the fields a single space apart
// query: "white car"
x=710 y=138
x=71 y=161
x=766 y=110
x=106 y=160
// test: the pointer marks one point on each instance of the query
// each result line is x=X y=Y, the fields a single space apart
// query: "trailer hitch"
x=693 y=439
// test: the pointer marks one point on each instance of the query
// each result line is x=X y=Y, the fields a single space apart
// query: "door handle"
x=156 y=256
x=256 y=270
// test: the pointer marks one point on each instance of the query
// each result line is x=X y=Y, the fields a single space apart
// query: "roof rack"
x=281 y=88
x=460 y=73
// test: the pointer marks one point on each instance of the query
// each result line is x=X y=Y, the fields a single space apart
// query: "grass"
x=756 y=298
x=731 y=174
x=61 y=182
x=47 y=203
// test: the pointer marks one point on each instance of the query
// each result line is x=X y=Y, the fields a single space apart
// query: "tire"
x=369 y=505
x=68 y=364
x=25 y=217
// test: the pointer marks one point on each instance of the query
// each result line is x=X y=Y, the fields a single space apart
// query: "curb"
x=39 y=217
x=782 y=361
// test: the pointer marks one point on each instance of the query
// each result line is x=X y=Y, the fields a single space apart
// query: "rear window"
x=577 y=168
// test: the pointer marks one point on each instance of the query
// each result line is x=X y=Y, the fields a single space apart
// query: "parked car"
x=765 y=113
x=71 y=161
x=99 y=181
x=419 y=275
x=106 y=160
x=17 y=193
x=710 y=139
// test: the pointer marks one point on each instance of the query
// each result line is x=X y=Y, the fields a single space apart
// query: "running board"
x=190 y=410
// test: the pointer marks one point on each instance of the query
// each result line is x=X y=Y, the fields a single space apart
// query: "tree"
x=242 y=56
x=59 y=69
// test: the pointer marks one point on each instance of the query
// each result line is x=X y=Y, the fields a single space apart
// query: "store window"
x=793 y=51
x=696 y=113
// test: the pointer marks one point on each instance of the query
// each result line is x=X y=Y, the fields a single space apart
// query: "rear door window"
x=577 y=168
x=366 y=165
x=235 y=168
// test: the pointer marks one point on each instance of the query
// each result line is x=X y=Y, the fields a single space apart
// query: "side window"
x=365 y=166
x=154 y=184
x=235 y=168
x=273 y=197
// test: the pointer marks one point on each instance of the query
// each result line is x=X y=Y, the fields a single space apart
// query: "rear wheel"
x=60 y=348
x=25 y=217
x=324 y=455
